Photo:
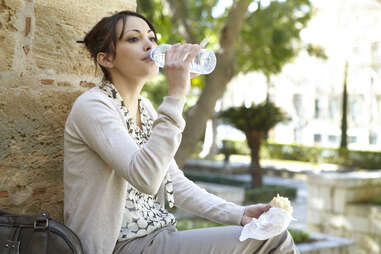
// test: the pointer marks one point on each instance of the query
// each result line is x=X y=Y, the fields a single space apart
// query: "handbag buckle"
x=41 y=224
x=11 y=244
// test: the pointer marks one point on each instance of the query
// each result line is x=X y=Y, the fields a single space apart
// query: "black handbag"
x=24 y=234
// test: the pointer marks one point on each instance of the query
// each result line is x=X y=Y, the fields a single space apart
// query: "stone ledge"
x=349 y=179
x=326 y=244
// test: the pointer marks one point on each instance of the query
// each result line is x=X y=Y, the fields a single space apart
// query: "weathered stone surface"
x=59 y=23
x=8 y=9
x=349 y=216
x=31 y=148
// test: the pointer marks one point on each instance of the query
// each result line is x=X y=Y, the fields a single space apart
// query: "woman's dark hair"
x=103 y=38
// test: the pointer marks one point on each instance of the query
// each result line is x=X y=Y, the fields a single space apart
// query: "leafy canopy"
x=261 y=117
x=269 y=37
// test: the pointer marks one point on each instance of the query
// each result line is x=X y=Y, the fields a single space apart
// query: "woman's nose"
x=148 y=45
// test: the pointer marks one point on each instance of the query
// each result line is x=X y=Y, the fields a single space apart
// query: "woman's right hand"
x=176 y=68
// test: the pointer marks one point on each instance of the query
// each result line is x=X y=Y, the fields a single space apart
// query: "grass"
x=299 y=236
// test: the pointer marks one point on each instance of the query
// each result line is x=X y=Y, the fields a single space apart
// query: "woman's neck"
x=129 y=90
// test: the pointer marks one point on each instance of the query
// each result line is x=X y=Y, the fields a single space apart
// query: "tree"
x=344 y=118
x=261 y=40
x=254 y=121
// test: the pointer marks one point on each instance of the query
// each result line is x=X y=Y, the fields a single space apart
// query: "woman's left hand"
x=253 y=211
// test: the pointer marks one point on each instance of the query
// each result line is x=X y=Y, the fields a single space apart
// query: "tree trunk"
x=254 y=140
x=344 y=120
x=214 y=149
x=197 y=116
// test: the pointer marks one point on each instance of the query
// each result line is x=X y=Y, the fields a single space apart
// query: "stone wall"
x=337 y=206
x=42 y=72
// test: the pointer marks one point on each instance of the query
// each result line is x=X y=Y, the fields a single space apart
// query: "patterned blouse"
x=143 y=213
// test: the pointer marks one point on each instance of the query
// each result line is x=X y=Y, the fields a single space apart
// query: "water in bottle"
x=203 y=63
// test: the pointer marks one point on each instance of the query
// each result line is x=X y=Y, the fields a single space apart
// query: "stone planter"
x=326 y=244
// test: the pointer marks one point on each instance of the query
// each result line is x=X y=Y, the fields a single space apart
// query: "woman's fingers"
x=192 y=53
x=180 y=54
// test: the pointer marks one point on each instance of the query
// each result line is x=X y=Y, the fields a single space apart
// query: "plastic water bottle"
x=203 y=63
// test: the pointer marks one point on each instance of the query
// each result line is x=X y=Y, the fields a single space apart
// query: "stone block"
x=59 y=23
x=347 y=180
x=314 y=216
x=320 y=197
x=8 y=30
x=31 y=148
x=339 y=200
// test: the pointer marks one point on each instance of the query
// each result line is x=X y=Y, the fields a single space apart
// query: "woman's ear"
x=105 y=60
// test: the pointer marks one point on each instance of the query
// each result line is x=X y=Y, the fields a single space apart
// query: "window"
x=333 y=139
x=352 y=139
x=317 y=138
x=333 y=107
x=354 y=109
x=372 y=138
x=317 y=108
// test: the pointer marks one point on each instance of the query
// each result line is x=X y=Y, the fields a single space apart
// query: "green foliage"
x=267 y=192
x=155 y=90
x=353 y=158
x=299 y=236
x=317 y=51
x=198 y=14
x=269 y=36
x=260 y=117
x=313 y=154
x=234 y=147
x=375 y=201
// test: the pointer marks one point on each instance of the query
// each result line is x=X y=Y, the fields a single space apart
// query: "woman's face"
x=131 y=59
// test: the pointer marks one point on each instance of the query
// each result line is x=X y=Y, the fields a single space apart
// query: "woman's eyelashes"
x=135 y=39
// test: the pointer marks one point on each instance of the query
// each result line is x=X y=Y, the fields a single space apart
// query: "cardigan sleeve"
x=96 y=122
x=191 y=197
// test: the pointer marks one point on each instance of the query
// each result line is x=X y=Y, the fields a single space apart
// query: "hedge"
x=313 y=154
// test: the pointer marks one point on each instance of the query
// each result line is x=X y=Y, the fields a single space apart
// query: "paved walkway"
x=299 y=204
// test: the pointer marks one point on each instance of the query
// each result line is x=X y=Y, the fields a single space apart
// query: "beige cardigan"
x=100 y=157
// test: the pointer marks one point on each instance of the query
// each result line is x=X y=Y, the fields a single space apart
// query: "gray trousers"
x=216 y=240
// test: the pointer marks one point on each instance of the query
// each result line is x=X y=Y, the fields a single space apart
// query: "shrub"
x=267 y=192
x=313 y=154
x=299 y=236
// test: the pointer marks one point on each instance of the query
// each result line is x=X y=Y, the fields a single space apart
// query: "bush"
x=234 y=147
x=267 y=192
x=313 y=154
x=299 y=236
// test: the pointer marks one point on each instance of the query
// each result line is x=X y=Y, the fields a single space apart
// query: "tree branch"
x=181 y=17
x=233 y=26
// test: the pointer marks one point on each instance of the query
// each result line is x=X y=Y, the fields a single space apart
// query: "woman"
x=119 y=156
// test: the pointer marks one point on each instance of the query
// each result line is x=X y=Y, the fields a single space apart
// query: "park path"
x=299 y=204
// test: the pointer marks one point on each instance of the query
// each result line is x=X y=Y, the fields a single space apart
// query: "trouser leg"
x=217 y=240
